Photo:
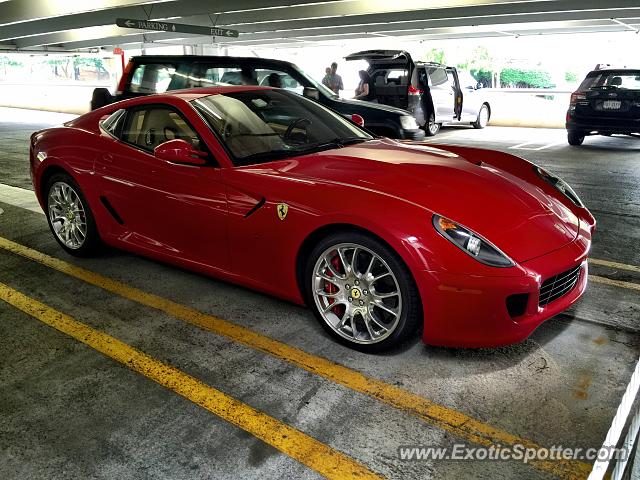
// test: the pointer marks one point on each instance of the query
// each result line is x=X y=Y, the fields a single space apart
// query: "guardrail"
x=55 y=83
x=527 y=107
x=535 y=91
x=623 y=421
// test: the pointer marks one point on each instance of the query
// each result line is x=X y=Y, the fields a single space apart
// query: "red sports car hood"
x=516 y=216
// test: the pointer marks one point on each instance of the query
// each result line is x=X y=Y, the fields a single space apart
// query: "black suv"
x=433 y=93
x=606 y=102
x=147 y=75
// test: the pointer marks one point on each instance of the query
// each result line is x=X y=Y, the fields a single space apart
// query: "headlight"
x=562 y=186
x=471 y=243
x=407 y=122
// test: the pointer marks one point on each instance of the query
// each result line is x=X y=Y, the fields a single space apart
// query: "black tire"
x=411 y=308
x=100 y=98
x=432 y=128
x=91 y=242
x=575 y=138
x=483 y=117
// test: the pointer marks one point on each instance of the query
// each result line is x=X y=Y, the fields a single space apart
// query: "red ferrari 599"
x=275 y=192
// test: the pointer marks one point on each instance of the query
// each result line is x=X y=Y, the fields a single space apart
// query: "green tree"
x=570 y=77
x=435 y=55
x=482 y=65
x=60 y=66
x=515 y=77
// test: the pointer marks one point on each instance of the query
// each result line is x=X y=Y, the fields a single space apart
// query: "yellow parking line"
x=290 y=441
x=621 y=266
x=434 y=414
x=614 y=283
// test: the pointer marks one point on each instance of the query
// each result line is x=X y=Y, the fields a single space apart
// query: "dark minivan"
x=432 y=92
x=606 y=102
x=147 y=75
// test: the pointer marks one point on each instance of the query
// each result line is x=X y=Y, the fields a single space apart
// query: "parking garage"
x=273 y=280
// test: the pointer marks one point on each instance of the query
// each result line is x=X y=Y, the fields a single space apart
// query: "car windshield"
x=262 y=125
x=622 y=79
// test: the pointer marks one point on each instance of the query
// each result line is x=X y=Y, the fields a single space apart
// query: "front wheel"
x=483 y=117
x=432 y=128
x=70 y=218
x=361 y=292
x=575 y=138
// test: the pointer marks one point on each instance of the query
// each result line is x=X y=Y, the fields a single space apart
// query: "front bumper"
x=471 y=310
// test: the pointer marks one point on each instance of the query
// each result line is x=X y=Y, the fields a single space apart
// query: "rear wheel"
x=575 y=138
x=483 y=117
x=432 y=128
x=361 y=292
x=70 y=218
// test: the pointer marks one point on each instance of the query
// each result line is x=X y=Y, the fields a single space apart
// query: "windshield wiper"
x=336 y=143
x=267 y=156
x=278 y=154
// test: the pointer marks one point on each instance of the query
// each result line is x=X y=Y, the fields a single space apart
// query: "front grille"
x=559 y=285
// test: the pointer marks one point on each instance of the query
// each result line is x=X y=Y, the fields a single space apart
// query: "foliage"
x=482 y=76
x=9 y=62
x=570 y=77
x=482 y=59
x=481 y=65
x=435 y=55
x=515 y=77
x=88 y=61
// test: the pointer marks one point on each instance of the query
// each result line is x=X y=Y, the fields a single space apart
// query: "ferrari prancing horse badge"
x=283 y=209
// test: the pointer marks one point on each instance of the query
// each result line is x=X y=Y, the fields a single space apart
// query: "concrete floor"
x=67 y=411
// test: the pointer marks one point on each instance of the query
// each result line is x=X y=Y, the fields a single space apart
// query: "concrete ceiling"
x=88 y=24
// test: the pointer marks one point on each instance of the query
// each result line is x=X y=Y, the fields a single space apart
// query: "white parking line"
x=520 y=145
x=525 y=146
x=20 y=197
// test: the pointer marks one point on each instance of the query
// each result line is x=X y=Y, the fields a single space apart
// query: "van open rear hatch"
x=390 y=72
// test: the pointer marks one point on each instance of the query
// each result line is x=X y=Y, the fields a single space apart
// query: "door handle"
x=108 y=158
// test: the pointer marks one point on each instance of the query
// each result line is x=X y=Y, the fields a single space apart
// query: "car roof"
x=173 y=97
x=613 y=69
x=431 y=64
x=207 y=59
x=189 y=94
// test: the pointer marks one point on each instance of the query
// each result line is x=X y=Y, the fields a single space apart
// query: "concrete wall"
x=528 y=109
x=522 y=109
x=66 y=98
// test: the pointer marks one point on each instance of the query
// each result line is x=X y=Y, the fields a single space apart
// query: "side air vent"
x=255 y=208
x=111 y=210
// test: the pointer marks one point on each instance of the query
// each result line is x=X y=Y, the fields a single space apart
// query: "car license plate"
x=611 y=104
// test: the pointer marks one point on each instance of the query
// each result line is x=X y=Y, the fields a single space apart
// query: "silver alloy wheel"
x=432 y=125
x=483 y=116
x=67 y=215
x=357 y=293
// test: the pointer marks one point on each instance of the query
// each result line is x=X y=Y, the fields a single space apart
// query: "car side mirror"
x=180 y=152
x=311 y=92
x=479 y=85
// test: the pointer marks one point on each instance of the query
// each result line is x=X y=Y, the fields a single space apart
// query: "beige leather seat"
x=161 y=125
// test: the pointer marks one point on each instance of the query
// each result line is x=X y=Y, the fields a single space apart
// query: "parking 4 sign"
x=158 y=26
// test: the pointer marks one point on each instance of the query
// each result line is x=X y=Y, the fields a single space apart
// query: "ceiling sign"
x=158 y=26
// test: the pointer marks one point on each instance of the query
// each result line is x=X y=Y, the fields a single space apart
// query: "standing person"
x=335 y=80
x=326 y=81
x=366 y=89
